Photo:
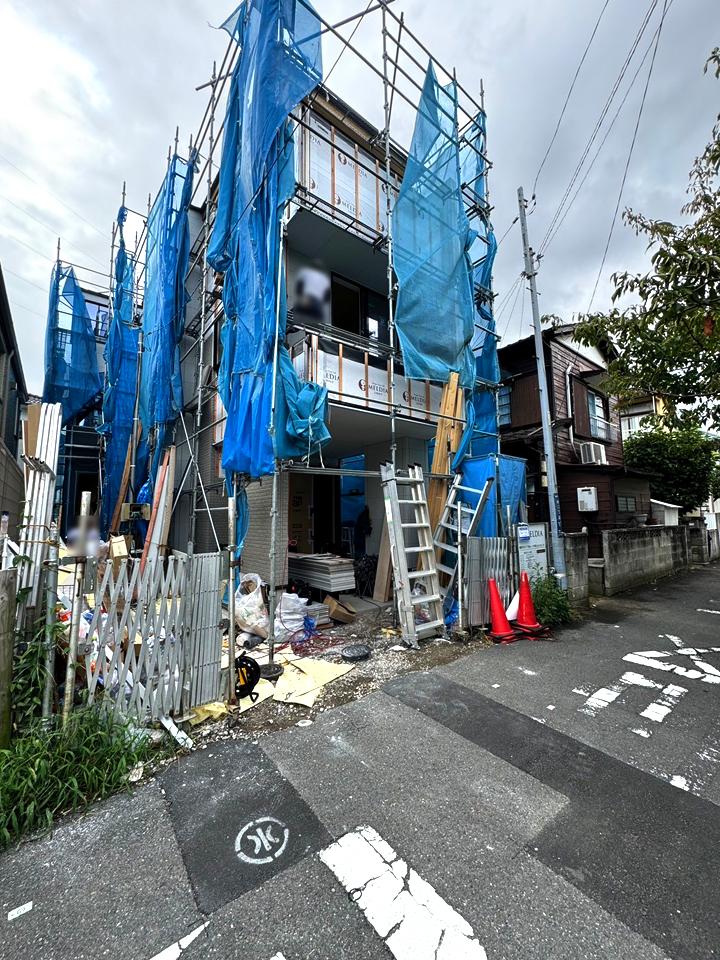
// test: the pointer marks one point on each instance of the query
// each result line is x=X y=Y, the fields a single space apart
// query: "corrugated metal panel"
x=487 y=557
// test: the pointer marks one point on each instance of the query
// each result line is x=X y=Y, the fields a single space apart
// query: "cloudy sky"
x=92 y=91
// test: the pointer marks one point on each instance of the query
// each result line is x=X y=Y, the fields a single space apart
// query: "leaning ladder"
x=450 y=520
x=413 y=502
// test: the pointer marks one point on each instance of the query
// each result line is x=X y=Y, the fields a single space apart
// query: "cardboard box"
x=342 y=612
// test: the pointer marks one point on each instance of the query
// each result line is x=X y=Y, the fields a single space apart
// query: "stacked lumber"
x=324 y=571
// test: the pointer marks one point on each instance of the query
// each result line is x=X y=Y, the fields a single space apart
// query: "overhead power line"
x=569 y=94
x=103 y=233
x=597 y=153
x=630 y=153
x=598 y=124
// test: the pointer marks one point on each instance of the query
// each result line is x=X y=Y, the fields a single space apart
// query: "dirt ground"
x=388 y=659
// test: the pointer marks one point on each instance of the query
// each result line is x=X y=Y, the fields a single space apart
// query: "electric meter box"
x=587 y=499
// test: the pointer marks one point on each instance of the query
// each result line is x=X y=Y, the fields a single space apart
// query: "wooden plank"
x=157 y=501
x=124 y=483
x=447 y=437
x=383 y=575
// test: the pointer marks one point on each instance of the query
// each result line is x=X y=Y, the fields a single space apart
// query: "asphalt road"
x=539 y=800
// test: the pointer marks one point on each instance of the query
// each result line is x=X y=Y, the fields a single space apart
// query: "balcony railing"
x=357 y=373
x=602 y=429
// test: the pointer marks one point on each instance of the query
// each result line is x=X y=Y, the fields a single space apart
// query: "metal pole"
x=461 y=591
x=272 y=670
x=203 y=307
x=134 y=437
x=76 y=608
x=556 y=539
x=388 y=221
x=232 y=528
x=50 y=621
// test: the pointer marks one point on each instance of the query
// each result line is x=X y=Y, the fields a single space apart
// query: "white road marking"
x=701 y=610
x=550 y=706
x=405 y=911
x=607 y=695
x=583 y=693
x=679 y=782
x=665 y=703
x=656 y=660
x=175 y=949
x=278 y=956
x=19 y=911
x=528 y=673
x=642 y=733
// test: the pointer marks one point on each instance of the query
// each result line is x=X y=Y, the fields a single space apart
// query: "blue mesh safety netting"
x=431 y=237
x=280 y=62
x=509 y=474
x=71 y=362
x=167 y=255
x=481 y=433
x=121 y=377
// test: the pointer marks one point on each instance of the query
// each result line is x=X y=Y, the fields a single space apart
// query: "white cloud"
x=93 y=90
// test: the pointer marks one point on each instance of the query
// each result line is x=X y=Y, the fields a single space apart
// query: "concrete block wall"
x=576 y=562
x=699 y=543
x=640 y=555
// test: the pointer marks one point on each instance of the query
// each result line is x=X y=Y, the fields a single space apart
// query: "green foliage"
x=28 y=682
x=682 y=462
x=552 y=606
x=48 y=772
x=669 y=337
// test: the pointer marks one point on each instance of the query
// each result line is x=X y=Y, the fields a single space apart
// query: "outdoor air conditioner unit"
x=592 y=453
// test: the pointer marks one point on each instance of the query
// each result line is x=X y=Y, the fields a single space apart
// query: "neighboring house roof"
x=7 y=334
x=661 y=503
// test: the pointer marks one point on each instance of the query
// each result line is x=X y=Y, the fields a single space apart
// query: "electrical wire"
x=27 y=176
x=590 y=166
x=50 y=229
x=569 y=94
x=601 y=119
x=630 y=153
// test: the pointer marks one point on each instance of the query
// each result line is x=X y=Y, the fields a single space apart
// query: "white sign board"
x=532 y=548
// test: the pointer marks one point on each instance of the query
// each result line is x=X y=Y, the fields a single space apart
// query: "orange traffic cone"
x=527 y=621
x=500 y=629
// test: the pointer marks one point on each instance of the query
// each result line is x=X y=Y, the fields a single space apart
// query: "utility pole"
x=556 y=539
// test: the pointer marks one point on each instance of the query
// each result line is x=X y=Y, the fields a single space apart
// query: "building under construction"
x=307 y=298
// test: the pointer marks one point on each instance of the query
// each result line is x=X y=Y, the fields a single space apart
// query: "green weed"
x=552 y=606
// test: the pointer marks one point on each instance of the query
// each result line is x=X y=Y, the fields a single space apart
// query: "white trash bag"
x=250 y=611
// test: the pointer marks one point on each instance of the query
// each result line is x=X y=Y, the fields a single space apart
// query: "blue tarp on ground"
x=280 y=63
x=71 y=365
x=121 y=377
x=509 y=473
x=431 y=239
x=167 y=255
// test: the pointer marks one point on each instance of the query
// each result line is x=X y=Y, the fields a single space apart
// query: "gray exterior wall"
x=576 y=562
x=636 y=556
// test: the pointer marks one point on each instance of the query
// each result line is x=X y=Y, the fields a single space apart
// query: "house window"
x=626 y=504
x=504 y=407
x=599 y=426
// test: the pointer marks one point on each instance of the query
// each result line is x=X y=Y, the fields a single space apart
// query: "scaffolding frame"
x=401 y=75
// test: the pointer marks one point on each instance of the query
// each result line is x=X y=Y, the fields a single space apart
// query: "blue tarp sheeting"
x=481 y=434
x=121 y=376
x=431 y=239
x=168 y=251
x=280 y=63
x=509 y=473
x=71 y=365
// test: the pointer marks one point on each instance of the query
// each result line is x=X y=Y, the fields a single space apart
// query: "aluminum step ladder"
x=406 y=510
x=454 y=512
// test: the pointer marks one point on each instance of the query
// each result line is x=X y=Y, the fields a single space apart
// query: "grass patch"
x=48 y=772
x=552 y=606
